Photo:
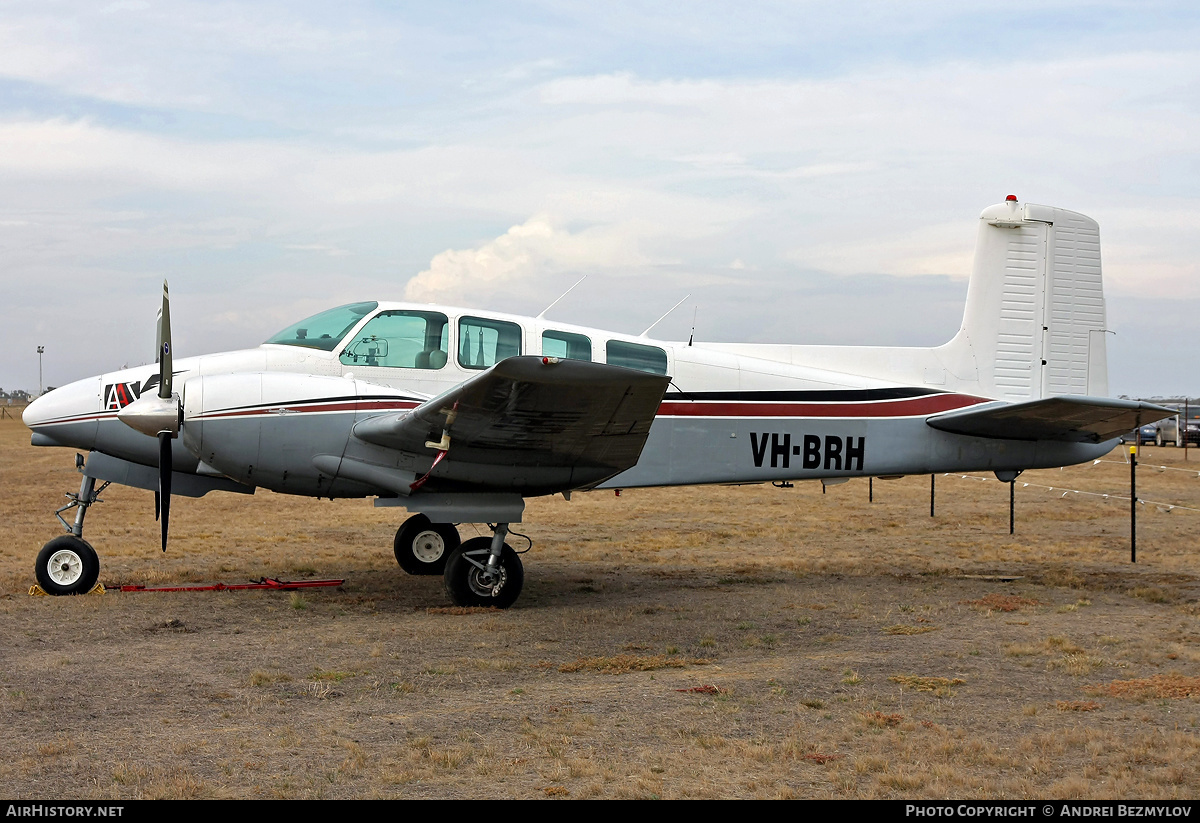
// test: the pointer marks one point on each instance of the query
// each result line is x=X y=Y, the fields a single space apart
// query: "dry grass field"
x=711 y=642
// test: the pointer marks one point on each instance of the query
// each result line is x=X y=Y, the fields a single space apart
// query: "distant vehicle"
x=1191 y=432
x=1170 y=431
x=1146 y=434
x=1167 y=431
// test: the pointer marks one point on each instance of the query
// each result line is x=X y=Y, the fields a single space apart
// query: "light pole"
x=40 y=350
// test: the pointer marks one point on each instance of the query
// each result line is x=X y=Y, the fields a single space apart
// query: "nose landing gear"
x=68 y=564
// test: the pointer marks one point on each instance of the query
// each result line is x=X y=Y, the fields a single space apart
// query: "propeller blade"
x=164 y=347
x=163 y=497
x=160 y=415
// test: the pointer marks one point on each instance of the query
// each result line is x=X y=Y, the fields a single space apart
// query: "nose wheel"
x=67 y=565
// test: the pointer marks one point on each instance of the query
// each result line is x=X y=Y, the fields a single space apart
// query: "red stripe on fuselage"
x=912 y=407
x=77 y=418
x=312 y=407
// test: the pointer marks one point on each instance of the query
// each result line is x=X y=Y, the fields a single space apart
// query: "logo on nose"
x=119 y=395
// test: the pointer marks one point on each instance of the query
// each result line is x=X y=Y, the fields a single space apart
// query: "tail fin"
x=1035 y=321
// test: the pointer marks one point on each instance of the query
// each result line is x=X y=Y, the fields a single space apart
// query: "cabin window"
x=566 y=345
x=401 y=340
x=635 y=356
x=325 y=330
x=483 y=343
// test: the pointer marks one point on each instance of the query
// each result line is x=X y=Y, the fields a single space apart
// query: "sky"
x=801 y=172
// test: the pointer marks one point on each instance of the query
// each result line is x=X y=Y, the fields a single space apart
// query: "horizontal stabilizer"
x=1066 y=418
x=541 y=422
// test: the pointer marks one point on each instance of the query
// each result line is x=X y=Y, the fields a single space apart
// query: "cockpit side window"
x=401 y=340
x=634 y=356
x=567 y=345
x=325 y=330
x=483 y=343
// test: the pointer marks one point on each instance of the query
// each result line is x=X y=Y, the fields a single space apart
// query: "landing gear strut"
x=422 y=547
x=485 y=571
x=68 y=564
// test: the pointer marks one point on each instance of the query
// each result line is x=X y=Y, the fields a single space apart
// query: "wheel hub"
x=487 y=584
x=428 y=547
x=65 y=567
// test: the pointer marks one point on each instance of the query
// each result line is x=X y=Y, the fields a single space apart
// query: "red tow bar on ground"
x=263 y=583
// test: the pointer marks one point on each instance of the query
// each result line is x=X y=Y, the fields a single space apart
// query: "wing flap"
x=570 y=422
x=1072 y=419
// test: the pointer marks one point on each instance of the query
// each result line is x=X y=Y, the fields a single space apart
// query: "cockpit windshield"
x=325 y=330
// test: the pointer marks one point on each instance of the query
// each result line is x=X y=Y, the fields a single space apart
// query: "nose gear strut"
x=88 y=495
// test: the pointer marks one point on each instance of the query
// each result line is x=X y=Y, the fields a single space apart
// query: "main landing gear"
x=68 y=564
x=483 y=571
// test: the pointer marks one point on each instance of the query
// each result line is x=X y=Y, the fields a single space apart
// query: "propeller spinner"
x=159 y=415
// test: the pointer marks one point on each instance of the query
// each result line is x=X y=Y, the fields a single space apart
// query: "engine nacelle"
x=265 y=428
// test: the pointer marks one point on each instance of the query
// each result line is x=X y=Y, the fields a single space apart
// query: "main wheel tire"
x=67 y=565
x=1158 y=439
x=466 y=583
x=422 y=547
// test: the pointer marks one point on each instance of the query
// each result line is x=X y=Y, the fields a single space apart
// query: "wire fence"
x=1063 y=492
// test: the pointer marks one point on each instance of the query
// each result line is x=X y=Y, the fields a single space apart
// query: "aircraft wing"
x=1066 y=418
x=530 y=421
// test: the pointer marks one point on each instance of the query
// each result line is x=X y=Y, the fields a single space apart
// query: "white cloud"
x=331 y=251
x=874 y=247
x=524 y=258
x=188 y=55
x=1149 y=251
x=624 y=88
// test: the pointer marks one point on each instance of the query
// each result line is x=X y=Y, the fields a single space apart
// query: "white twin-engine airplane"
x=458 y=415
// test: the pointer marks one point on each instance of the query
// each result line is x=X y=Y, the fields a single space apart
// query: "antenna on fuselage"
x=692 y=336
x=664 y=317
x=561 y=296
